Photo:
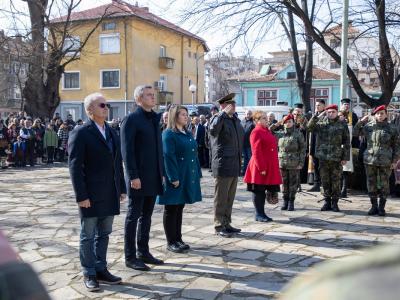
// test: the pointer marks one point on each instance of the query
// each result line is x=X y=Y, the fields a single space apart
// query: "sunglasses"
x=103 y=105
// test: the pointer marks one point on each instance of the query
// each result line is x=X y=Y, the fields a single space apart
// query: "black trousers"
x=50 y=154
x=172 y=220
x=138 y=218
x=259 y=202
x=30 y=152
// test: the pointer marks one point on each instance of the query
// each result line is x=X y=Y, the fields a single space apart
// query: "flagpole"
x=343 y=75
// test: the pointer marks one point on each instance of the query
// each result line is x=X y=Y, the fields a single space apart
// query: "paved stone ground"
x=39 y=215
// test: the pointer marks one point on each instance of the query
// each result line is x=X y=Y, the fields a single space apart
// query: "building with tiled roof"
x=131 y=46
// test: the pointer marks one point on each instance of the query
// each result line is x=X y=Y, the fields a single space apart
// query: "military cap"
x=298 y=105
x=379 y=108
x=227 y=98
x=345 y=100
x=332 y=106
x=287 y=118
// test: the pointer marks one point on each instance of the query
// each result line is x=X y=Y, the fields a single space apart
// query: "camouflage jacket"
x=292 y=148
x=333 y=139
x=383 y=142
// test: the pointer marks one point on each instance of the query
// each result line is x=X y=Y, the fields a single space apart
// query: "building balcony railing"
x=165 y=97
x=166 y=62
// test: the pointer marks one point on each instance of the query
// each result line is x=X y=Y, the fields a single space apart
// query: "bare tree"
x=374 y=17
x=51 y=49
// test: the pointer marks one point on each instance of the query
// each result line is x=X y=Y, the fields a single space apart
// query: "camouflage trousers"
x=378 y=180
x=290 y=178
x=330 y=172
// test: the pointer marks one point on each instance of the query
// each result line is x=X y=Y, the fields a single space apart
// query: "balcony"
x=165 y=97
x=166 y=62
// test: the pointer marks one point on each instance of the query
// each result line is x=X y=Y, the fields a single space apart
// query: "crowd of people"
x=25 y=141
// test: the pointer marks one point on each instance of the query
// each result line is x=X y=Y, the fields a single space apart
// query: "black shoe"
x=106 y=277
x=327 y=205
x=315 y=188
x=91 y=283
x=285 y=203
x=150 y=259
x=335 y=206
x=264 y=219
x=174 y=247
x=373 y=211
x=183 y=245
x=291 y=205
x=137 y=264
x=231 y=229
x=223 y=232
x=381 y=208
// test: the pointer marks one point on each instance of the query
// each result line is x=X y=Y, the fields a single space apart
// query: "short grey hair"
x=89 y=99
x=139 y=91
x=270 y=114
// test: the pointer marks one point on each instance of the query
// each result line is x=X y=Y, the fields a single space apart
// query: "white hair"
x=270 y=114
x=139 y=90
x=89 y=99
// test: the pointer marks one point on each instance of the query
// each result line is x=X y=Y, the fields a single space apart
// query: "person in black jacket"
x=248 y=126
x=142 y=153
x=226 y=136
x=95 y=165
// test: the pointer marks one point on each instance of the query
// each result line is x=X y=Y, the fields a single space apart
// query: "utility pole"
x=345 y=44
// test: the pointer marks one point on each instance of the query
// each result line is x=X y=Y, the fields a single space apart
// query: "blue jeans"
x=246 y=158
x=93 y=244
x=138 y=219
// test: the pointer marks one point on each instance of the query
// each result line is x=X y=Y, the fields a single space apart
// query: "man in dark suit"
x=142 y=154
x=95 y=165
x=199 y=135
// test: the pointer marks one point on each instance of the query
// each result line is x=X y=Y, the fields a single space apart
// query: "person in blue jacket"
x=183 y=173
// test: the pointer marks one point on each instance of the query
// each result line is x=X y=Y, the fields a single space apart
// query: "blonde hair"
x=257 y=115
x=173 y=115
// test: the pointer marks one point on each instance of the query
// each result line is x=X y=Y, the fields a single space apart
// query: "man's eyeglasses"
x=103 y=105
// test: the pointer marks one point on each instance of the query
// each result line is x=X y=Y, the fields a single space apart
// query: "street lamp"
x=192 y=89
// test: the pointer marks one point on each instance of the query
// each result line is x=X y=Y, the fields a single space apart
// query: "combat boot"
x=327 y=205
x=381 y=209
x=291 y=204
x=374 y=208
x=316 y=188
x=285 y=203
x=335 y=206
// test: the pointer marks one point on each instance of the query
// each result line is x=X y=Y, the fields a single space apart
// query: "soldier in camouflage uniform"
x=292 y=151
x=333 y=151
x=381 y=155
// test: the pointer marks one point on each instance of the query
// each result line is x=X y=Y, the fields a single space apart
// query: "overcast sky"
x=215 y=38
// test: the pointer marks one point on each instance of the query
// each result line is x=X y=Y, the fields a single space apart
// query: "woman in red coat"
x=263 y=173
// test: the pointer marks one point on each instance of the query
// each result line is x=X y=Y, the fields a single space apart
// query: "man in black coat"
x=226 y=137
x=248 y=126
x=142 y=154
x=95 y=165
x=199 y=135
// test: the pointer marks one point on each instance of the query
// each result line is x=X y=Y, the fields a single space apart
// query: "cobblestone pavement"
x=39 y=215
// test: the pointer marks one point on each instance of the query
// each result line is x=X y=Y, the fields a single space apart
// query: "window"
x=163 y=51
x=291 y=75
x=334 y=65
x=71 y=45
x=163 y=83
x=189 y=54
x=109 y=26
x=113 y=113
x=190 y=82
x=190 y=43
x=17 y=92
x=71 y=80
x=109 y=43
x=267 y=97
x=195 y=55
x=364 y=62
x=109 y=78
x=371 y=62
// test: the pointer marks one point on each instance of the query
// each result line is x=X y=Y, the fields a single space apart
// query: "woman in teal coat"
x=183 y=173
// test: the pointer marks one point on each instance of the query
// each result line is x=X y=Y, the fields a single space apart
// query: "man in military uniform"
x=332 y=150
x=226 y=137
x=380 y=157
x=292 y=151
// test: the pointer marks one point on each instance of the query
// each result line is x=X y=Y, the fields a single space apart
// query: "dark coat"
x=201 y=135
x=181 y=163
x=226 y=136
x=248 y=126
x=142 y=151
x=96 y=171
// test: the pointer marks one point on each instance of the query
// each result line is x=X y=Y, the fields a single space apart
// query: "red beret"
x=381 y=107
x=332 y=106
x=287 y=118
